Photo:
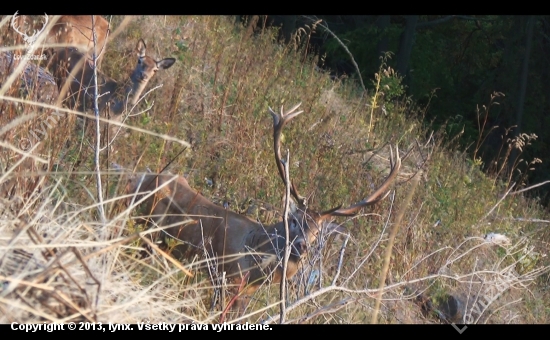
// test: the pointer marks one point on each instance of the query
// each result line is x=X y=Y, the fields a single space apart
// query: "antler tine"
x=376 y=196
x=279 y=121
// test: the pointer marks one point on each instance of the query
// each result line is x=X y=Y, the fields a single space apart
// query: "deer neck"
x=126 y=94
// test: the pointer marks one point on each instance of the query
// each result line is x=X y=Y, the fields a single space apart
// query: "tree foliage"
x=463 y=60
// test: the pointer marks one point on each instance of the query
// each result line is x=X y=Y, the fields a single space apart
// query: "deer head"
x=240 y=244
x=75 y=77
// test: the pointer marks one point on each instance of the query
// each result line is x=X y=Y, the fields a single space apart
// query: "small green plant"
x=387 y=86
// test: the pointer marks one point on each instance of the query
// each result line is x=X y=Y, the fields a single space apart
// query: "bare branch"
x=529 y=188
x=499 y=201
x=100 y=206
x=325 y=27
x=287 y=243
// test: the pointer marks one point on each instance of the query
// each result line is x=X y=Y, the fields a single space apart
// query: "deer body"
x=69 y=30
x=240 y=244
x=222 y=233
x=76 y=31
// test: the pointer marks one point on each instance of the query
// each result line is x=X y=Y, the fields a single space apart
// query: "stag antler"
x=376 y=196
x=28 y=39
x=279 y=122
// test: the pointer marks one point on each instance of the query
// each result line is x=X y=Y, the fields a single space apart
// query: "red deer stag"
x=72 y=70
x=240 y=244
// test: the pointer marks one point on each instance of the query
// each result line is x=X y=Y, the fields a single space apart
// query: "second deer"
x=75 y=77
x=76 y=31
x=69 y=30
x=239 y=244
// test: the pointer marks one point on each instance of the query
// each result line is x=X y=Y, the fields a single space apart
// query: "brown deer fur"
x=76 y=31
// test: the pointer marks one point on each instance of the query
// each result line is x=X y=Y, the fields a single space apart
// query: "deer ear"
x=293 y=207
x=165 y=63
x=141 y=48
x=335 y=227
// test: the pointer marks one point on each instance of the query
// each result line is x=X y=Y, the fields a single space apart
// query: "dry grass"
x=59 y=263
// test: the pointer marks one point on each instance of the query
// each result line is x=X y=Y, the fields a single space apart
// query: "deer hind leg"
x=240 y=294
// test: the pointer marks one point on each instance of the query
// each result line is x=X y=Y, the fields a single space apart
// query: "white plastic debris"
x=497 y=239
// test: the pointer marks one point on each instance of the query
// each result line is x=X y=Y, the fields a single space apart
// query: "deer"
x=70 y=31
x=71 y=69
x=76 y=31
x=248 y=252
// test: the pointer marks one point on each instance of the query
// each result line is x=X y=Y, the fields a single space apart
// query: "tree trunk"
x=383 y=44
x=522 y=85
x=406 y=44
x=524 y=72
